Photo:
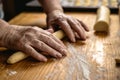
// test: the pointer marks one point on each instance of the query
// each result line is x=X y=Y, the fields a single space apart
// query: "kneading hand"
x=71 y=26
x=32 y=40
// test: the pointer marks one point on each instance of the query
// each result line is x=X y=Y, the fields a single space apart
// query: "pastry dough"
x=103 y=19
x=18 y=56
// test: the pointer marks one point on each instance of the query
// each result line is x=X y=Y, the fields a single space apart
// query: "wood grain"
x=93 y=59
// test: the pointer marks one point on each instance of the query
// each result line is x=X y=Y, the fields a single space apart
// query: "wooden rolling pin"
x=3 y=48
x=18 y=56
x=103 y=19
x=117 y=60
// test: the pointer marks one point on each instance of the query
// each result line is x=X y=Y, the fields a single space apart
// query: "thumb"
x=50 y=26
x=50 y=29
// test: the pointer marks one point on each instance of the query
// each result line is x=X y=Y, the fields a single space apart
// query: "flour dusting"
x=99 y=55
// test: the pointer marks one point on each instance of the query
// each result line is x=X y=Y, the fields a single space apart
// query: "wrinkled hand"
x=31 y=40
x=71 y=26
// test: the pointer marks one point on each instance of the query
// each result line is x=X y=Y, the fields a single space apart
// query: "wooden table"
x=93 y=59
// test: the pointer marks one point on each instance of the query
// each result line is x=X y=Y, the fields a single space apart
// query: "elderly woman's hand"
x=71 y=26
x=32 y=40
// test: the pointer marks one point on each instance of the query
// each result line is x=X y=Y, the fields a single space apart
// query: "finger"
x=50 y=25
x=52 y=43
x=50 y=30
x=40 y=30
x=77 y=36
x=67 y=29
x=83 y=34
x=45 y=48
x=84 y=26
x=59 y=41
x=32 y=52
x=77 y=27
x=56 y=39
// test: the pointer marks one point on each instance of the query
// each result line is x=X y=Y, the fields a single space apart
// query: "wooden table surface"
x=93 y=59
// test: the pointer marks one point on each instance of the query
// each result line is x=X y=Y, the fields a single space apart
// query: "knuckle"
x=77 y=23
x=38 y=43
x=69 y=17
x=36 y=28
x=60 y=18
x=34 y=41
x=42 y=45
x=23 y=46
x=48 y=37
x=27 y=35
x=48 y=40
x=67 y=27
x=30 y=29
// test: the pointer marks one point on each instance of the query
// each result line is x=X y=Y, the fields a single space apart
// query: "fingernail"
x=64 y=51
x=84 y=37
x=58 y=55
x=73 y=40
x=44 y=59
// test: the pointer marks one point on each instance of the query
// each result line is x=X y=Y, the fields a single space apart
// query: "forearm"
x=51 y=5
x=3 y=30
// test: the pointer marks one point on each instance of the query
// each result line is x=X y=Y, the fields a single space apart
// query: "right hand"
x=31 y=40
x=73 y=27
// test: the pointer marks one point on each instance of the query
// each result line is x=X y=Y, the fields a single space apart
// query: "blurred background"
x=1 y=10
x=13 y=7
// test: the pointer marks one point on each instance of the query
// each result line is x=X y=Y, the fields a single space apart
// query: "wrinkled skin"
x=37 y=42
x=31 y=40
x=73 y=27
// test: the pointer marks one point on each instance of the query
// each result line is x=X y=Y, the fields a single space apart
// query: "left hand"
x=71 y=26
x=32 y=41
